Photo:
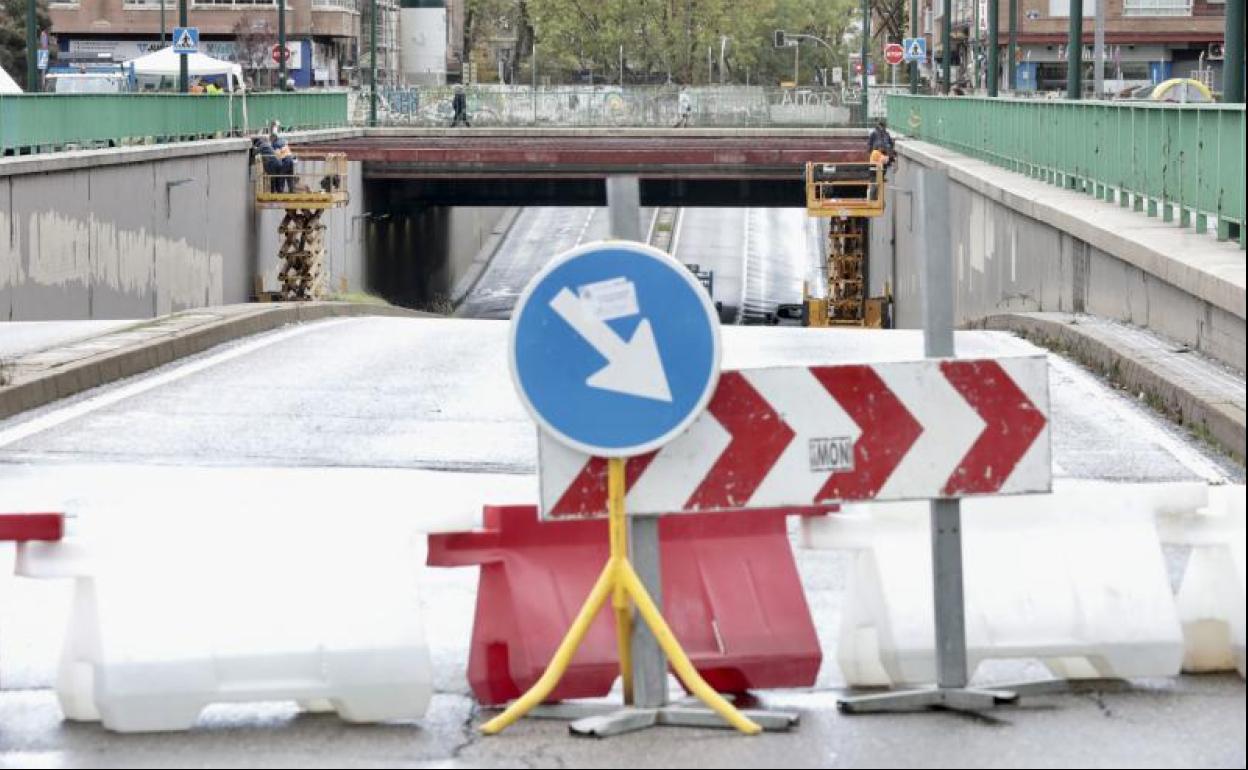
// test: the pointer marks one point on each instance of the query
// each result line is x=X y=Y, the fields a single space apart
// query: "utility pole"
x=866 y=51
x=184 y=80
x=1074 y=52
x=994 y=48
x=372 y=62
x=281 y=42
x=946 y=59
x=1233 y=54
x=32 y=47
x=1011 y=53
x=914 y=32
x=1098 y=51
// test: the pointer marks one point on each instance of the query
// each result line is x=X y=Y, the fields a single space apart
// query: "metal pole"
x=946 y=58
x=1233 y=56
x=184 y=84
x=372 y=62
x=866 y=52
x=1098 y=51
x=914 y=32
x=946 y=515
x=32 y=47
x=795 y=62
x=621 y=66
x=710 y=67
x=162 y=23
x=1011 y=53
x=994 y=49
x=281 y=42
x=534 y=67
x=1074 y=52
x=649 y=665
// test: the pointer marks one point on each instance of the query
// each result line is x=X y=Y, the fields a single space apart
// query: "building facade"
x=1146 y=41
x=327 y=40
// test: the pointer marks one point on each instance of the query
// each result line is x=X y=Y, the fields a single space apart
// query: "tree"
x=666 y=39
x=13 y=36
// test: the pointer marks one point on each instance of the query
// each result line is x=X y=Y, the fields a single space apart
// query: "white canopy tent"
x=166 y=63
x=7 y=84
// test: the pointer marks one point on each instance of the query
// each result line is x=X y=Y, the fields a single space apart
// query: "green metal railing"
x=34 y=122
x=1177 y=161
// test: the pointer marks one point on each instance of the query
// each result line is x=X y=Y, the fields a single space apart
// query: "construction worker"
x=880 y=145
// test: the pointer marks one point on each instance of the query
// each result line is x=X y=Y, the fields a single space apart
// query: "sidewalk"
x=1187 y=386
x=38 y=377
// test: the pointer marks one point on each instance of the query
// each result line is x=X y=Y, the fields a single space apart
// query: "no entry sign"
x=805 y=436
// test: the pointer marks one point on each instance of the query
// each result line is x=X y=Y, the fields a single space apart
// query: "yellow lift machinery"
x=849 y=194
x=319 y=183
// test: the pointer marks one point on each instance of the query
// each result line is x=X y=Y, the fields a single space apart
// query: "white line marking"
x=86 y=406
x=585 y=227
x=680 y=224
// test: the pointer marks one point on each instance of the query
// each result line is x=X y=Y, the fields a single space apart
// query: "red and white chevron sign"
x=794 y=437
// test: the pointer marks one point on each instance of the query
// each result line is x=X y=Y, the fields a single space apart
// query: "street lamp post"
x=372 y=62
x=914 y=32
x=184 y=84
x=281 y=41
x=866 y=50
x=946 y=58
x=32 y=44
x=1074 y=52
x=994 y=48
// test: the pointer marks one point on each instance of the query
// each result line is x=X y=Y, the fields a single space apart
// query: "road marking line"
x=585 y=227
x=86 y=406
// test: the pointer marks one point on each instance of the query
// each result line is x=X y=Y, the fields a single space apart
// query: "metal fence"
x=639 y=106
x=1183 y=162
x=33 y=122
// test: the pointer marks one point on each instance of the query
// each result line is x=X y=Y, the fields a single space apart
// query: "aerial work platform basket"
x=318 y=182
x=844 y=189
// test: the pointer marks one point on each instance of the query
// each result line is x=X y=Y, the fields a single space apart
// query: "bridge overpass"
x=566 y=166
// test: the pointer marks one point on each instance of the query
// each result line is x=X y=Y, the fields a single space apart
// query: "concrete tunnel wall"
x=1005 y=261
x=143 y=231
x=124 y=233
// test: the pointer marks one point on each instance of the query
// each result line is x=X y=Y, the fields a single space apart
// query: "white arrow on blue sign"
x=186 y=39
x=914 y=49
x=615 y=348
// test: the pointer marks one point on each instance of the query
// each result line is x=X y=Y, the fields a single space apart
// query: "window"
x=1061 y=8
x=346 y=5
x=1157 y=7
x=233 y=3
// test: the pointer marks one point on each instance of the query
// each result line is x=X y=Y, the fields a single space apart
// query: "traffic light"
x=780 y=38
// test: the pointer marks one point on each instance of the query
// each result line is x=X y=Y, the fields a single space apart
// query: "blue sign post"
x=615 y=348
x=914 y=49
x=186 y=39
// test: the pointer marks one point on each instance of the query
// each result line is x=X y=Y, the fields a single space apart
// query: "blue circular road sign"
x=615 y=348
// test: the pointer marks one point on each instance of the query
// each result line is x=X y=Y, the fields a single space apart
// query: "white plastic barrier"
x=1211 y=596
x=169 y=618
x=1076 y=580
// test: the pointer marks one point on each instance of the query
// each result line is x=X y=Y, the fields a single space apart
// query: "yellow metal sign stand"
x=619 y=581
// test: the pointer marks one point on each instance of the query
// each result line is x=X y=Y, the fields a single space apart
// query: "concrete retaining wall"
x=125 y=233
x=1006 y=261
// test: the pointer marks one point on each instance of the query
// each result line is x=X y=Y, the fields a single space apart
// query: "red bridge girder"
x=666 y=155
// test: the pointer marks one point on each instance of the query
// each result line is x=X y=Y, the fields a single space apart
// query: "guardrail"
x=40 y=122
x=615 y=106
x=1172 y=160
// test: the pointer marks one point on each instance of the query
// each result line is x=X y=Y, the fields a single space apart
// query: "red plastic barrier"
x=731 y=594
x=31 y=526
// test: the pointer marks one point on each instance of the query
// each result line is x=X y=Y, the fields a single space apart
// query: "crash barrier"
x=731 y=592
x=194 y=617
x=1075 y=579
x=1211 y=596
x=24 y=527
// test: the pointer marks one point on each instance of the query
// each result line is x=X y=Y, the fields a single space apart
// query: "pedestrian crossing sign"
x=186 y=39
x=915 y=48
